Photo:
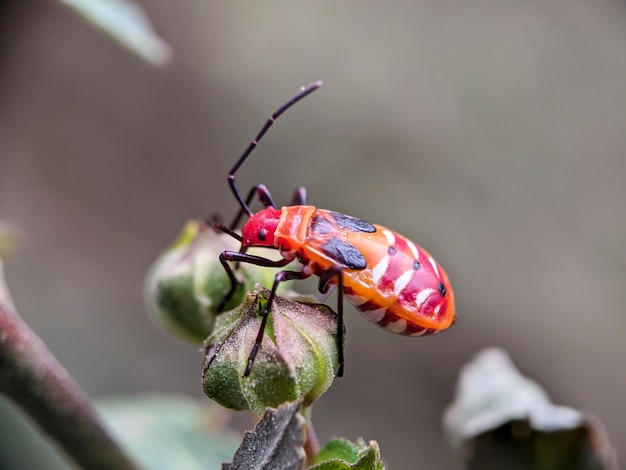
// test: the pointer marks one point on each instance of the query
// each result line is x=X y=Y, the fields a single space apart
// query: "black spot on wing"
x=344 y=254
x=442 y=289
x=321 y=225
x=352 y=223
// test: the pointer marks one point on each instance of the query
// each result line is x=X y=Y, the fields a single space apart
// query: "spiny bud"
x=297 y=358
x=187 y=282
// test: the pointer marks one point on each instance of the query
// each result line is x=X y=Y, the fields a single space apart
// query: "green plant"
x=499 y=419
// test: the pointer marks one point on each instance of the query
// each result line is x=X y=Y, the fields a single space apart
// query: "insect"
x=391 y=281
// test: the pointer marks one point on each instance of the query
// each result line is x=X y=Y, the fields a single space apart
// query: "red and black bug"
x=392 y=281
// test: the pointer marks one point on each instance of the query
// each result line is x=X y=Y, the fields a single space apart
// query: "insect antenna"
x=305 y=91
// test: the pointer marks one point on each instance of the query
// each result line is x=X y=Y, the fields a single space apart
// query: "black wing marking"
x=344 y=254
x=321 y=225
x=352 y=223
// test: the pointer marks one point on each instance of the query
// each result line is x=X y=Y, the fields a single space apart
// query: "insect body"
x=393 y=282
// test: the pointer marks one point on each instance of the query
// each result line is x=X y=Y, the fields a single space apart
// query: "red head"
x=260 y=227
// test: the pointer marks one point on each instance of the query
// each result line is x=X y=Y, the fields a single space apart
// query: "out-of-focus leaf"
x=276 y=442
x=127 y=23
x=341 y=454
x=24 y=446
x=10 y=238
x=166 y=432
x=501 y=419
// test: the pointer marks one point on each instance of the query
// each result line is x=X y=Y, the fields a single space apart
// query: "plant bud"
x=297 y=358
x=187 y=282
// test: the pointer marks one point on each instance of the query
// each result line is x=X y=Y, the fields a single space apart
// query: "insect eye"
x=262 y=235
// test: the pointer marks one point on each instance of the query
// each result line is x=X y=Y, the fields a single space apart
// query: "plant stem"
x=32 y=377
x=312 y=444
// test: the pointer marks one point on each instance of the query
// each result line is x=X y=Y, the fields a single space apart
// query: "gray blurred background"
x=492 y=133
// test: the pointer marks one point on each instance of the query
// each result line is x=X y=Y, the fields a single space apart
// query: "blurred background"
x=492 y=133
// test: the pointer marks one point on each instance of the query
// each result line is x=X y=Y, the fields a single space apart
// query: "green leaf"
x=276 y=442
x=341 y=454
x=10 y=239
x=23 y=445
x=166 y=432
x=127 y=23
x=501 y=419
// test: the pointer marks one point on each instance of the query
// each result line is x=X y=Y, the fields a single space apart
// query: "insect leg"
x=280 y=277
x=217 y=225
x=299 y=197
x=230 y=256
x=324 y=285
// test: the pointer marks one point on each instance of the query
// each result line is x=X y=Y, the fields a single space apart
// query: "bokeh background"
x=492 y=133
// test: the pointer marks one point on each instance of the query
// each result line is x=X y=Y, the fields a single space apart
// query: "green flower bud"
x=186 y=284
x=297 y=358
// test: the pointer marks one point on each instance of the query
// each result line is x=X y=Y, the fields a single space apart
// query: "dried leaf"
x=276 y=442
x=501 y=419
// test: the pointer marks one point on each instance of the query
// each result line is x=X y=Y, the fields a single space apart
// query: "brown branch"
x=32 y=377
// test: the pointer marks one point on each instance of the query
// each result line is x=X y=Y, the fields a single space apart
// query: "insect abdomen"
x=392 y=281
x=403 y=289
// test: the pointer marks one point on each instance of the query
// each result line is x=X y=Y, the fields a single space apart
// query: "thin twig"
x=32 y=377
